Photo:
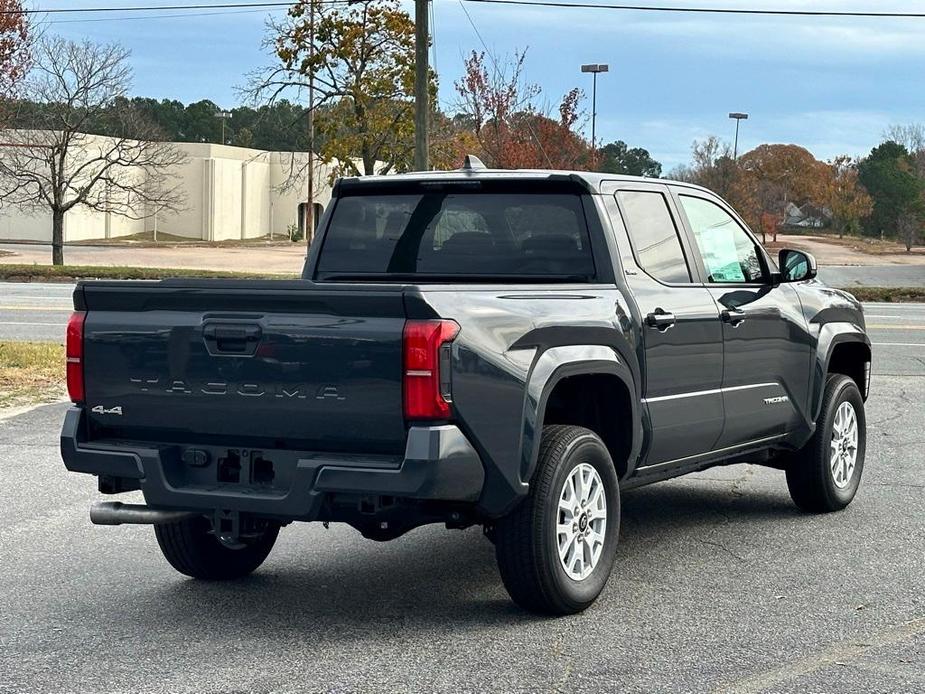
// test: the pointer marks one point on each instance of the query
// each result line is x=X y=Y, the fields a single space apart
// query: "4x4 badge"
x=99 y=409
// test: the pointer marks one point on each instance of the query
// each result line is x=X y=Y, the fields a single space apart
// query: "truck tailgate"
x=271 y=364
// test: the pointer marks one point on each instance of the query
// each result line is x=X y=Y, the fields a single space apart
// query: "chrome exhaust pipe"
x=117 y=513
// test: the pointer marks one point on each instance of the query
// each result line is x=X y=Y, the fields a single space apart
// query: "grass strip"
x=30 y=372
x=889 y=295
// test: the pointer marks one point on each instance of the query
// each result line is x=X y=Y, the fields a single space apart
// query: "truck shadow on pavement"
x=336 y=584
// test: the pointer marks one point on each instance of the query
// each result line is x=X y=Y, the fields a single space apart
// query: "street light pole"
x=737 y=117
x=224 y=115
x=594 y=69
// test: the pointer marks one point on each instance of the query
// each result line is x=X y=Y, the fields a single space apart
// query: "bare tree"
x=50 y=162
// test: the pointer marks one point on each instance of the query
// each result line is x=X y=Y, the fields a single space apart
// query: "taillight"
x=426 y=350
x=75 y=356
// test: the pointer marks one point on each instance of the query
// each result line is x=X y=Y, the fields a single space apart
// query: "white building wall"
x=256 y=197
x=232 y=193
x=15 y=225
x=189 y=221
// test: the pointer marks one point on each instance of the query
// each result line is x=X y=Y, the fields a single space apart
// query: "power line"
x=708 y=10
x=152 y=8
x=269 y=4
x=153 y=16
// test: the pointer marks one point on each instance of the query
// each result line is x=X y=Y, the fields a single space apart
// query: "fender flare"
x=555 y=364
x=830 y=336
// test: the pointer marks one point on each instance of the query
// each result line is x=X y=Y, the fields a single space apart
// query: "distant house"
x=809 y=216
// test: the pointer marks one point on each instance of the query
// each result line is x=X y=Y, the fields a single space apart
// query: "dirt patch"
x=146 y=240
x=830 y=250
x=72 y=273
x=259 y=259
x=30 y=373
x=869 y=246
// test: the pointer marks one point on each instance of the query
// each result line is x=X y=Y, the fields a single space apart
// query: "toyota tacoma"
x=510 y=349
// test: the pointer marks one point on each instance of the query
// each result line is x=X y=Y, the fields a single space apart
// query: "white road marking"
x=871 y=315
x=13 y=322
x=886 y=326
x=895 y=307
x=898 y=344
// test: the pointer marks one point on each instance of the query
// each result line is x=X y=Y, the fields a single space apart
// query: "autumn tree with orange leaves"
x=781 y=174
x=761 y=183
x=512 y=132
x=15 y=47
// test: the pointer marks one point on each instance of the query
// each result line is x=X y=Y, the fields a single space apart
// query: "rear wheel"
x=193 y=549
x=556 y=549
x=826 y=473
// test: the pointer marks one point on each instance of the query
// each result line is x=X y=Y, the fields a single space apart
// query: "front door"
x=767 y=358
x=682 y=333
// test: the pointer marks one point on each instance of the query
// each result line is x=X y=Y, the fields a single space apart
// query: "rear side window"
x=467 y=234
x=654 y=235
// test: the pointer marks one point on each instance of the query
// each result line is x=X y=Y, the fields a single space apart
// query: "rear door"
x=682 y=335
x=767 y=356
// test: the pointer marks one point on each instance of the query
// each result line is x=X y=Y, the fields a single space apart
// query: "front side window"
x=728 y=252
x=654 y=235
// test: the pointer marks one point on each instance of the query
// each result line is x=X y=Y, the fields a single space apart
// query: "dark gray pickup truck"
x=503 y=348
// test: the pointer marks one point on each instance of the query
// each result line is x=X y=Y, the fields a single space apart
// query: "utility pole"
x=310 y=216
x=421 y=97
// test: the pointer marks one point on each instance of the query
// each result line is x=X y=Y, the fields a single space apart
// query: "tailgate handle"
x=232 y=338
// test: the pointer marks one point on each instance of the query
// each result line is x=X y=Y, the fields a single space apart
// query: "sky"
x=830 y=85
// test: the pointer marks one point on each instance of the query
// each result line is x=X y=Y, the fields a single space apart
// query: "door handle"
x=733 y=316
x=660 y=320
x=232 y=338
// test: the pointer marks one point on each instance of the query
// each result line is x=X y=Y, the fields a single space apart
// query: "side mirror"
x=796 y=266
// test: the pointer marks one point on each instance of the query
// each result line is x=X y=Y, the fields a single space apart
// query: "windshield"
x=469 y=234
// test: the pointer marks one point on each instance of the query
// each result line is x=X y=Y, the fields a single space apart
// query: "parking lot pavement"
x=720 y=585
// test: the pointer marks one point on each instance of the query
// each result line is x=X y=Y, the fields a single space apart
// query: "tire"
x=811 y=475
x=192 y=549
x=527 y=540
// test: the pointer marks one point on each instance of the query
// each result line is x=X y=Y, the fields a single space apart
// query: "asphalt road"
x=34 y=311
x=720 y=585
x=873 y=275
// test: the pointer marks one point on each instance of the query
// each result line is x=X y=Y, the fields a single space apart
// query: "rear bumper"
x=439 y=464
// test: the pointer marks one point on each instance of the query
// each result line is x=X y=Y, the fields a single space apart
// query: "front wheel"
x=826 y=473
x=556 y=549
x=192 y=548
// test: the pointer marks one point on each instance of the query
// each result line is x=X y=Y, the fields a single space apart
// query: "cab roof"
x=590 y=181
